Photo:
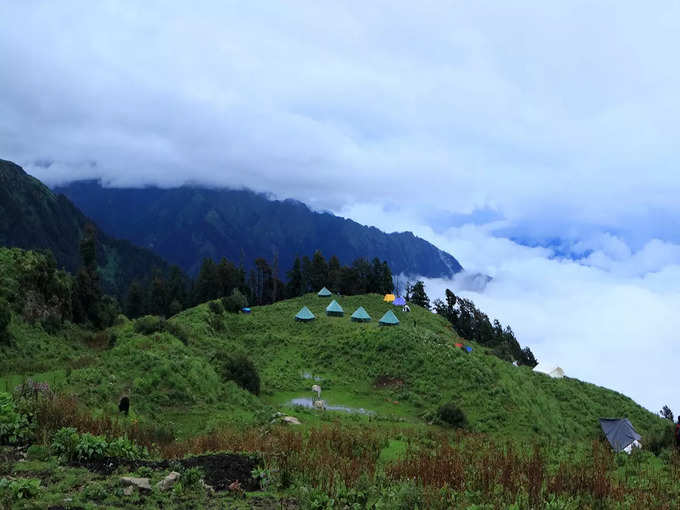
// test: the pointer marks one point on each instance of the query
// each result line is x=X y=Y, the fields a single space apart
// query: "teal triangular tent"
x=389 y=319
x=360 y=315
x=335 y=309
x=305 y=315
x=324 y=293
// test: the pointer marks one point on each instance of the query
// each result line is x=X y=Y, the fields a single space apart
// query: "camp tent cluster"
x=465 y=348
x=335 y=310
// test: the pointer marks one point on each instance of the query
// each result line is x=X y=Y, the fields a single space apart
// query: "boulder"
x=167 y=482
x=141 y=483
x=291 y=420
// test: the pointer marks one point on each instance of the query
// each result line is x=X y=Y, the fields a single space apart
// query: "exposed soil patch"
x=220 y=469
x=387 y=381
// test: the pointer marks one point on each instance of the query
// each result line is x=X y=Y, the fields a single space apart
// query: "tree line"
x=473 y=324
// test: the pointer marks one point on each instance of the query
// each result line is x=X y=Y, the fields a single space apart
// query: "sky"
x=535 y=141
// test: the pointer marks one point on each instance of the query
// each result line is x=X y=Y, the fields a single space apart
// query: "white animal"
x=316 y=388
x=320 y=404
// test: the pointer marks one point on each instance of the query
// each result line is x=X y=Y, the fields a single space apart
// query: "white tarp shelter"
x=552 y=370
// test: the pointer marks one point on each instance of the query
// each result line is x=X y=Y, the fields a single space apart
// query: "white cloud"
x=562 y=118
x=618 y=329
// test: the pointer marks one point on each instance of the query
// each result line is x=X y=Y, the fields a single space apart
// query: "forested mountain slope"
x=186 y=224
x=34 y=217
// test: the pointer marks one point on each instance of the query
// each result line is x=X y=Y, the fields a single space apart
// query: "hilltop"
x=171 y=370
x=185 y=225
x=34 y=217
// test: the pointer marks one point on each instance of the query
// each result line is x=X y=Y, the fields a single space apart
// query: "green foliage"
x=14 y=491
x=148 y=325
x=14 y=426
x=216 y=307
x=64 y=443
x=417 y=295
x=452 y=415
x=70 y=445
x=5 y=317
x=242 y=371
x=90 y=447
x=235 y=302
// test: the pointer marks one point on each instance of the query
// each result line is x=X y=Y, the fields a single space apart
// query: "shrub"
x=235 y=302
x=69 y=445
x=216 y=307
x=13 y=491
x=14 y=426
x=242 y=371
x=177 y=330
x=174 y=308
x=64 y=443
x=5 y=317
x=124 y=448
x=148 y=325
x=452 y=415
x=90 y=447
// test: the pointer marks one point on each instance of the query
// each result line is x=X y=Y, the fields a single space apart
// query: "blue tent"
x=400 y=301
x=245 y=310
x=620 y=432
x=468 y=348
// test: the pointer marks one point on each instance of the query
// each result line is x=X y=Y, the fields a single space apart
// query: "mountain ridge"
x=32 y=216
x=244 y=225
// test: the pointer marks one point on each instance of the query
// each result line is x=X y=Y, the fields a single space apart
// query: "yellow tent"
x=389 y=298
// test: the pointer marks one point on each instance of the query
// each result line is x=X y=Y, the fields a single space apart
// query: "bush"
x=235 y=302
x=64 y=443
x=174 y=308
x=14 y=491
x=452 y=415
x=14 y=426
x=177 y=330
x=148 y=325
x=69 y=445
x=216 y=307
x=242 y=371
x=5 y=317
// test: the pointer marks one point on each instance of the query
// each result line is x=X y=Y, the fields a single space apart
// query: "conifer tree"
x=418 y=295
x=294 y=287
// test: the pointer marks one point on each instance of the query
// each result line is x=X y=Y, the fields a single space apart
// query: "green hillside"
x=531 y=441
x=168 y=377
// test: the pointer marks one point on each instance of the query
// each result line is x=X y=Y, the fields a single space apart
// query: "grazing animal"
x=316 y=388
x=320 y=404
x=124 y=405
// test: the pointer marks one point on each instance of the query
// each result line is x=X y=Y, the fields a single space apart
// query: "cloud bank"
x=535 y=141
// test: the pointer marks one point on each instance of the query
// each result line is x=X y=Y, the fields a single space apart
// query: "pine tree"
x=387 y=283
x=294 y=276
x=319 y=271
x=134 y=305
x=418 y=295
x=334 y=273
x=207 y=285
x=87 y=292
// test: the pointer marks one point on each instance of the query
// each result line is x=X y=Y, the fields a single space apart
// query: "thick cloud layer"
x=561 y=118
x=477 y=124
